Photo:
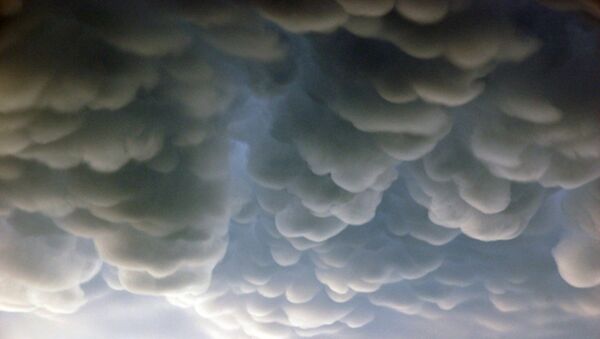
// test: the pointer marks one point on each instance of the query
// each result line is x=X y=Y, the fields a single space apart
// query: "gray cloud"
x=298 y=169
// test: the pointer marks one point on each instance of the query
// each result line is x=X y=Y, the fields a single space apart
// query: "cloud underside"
x=331 y=168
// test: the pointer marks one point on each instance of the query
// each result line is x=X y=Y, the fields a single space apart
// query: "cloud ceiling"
x=326 y=169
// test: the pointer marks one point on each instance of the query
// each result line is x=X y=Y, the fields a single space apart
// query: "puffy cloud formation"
x=111 y=152
x=295 y=169
x=42 y=266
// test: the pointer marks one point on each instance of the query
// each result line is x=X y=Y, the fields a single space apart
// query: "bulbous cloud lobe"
x=111 y=145
x=295 y=169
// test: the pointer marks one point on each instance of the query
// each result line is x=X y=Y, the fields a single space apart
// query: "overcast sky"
x=299 y=169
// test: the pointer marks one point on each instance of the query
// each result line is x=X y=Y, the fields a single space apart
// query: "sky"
x=299 y=169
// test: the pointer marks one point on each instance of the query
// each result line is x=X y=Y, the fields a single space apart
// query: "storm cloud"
x=326 y=169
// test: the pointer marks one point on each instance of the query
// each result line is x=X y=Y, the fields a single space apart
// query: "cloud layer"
x=325 y=169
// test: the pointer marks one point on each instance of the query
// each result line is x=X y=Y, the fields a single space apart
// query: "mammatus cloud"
x=326 y=169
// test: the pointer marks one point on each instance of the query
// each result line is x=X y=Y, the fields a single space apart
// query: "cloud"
x=576 y=259
x=112 y=139
x=339 y=168
x=304 y=15
x=42 y=267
